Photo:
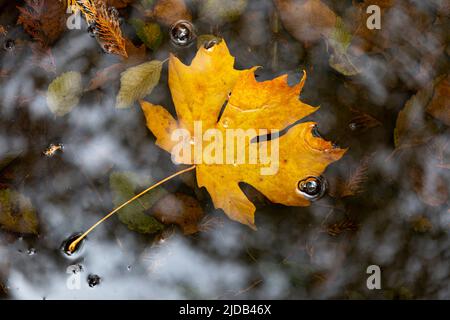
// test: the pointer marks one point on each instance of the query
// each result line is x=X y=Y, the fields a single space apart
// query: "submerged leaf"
x=149 y=33
x=124 y=186
x=338 y=41
x=17 y=213
x=137 y=82
x=64 y=93
x=179 y=209
x=43 y=20
x=308 y=20
x=439 y=106
x=168 y=12
x=411 y=128
x=219 y=11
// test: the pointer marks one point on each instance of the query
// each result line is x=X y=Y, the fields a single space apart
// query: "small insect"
x=52 y=149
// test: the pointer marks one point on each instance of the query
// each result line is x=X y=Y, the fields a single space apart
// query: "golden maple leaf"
x=199 y=92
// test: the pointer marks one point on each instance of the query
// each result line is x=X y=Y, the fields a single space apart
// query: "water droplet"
x=92 y=29
x=113 y=12
x=353 y=126
x=312 y=188
x=93 y=280
x=225 y=122
x=9 y=45
x=31 y=251
x=66 y=243
x=107 y=48
x=182 y=33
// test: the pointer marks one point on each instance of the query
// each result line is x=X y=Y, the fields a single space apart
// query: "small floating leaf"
x=64 y=93
x=17 y=213
x=124 y=186
x=137 y=82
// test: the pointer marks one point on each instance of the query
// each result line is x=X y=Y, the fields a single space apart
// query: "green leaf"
x=64 y=93
x=149 y=33
x=124 y=186
x=137 y=82
x=17 y=213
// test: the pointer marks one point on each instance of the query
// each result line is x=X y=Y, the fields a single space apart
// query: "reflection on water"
x=397 y=217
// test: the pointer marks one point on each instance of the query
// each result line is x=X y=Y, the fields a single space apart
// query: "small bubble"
x=9 y=45
x=182 y=33
x=312 y=188
x=92 y=29
x=107 y=48
x=225 y=122
x=353 y=126
x=93 y=280
x=113 y=12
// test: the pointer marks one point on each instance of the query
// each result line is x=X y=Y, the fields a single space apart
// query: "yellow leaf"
x=200 y=91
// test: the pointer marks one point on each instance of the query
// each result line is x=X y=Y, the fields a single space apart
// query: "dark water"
x=295 y=254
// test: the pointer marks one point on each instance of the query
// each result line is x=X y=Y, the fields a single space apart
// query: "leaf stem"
x=74 y=244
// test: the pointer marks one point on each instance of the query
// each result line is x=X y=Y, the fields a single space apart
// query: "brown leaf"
x=306 y=20
x=362 y=121
x=118 y=4
x=346 y=225
x=354 y=183
x=421 y=224
x=411 y=127
x=179 y=209
x=430 y=186
x=439 y=106
x=168 y=12
x=43 y=20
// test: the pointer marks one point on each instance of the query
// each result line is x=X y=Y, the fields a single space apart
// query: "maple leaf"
x=199 y=92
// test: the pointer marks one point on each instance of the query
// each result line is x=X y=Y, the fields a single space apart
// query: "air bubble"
x=9 y=45
x=182 y=33
x=93 y=280
x=113 y=12
x=312 y=188
x=92 y=29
